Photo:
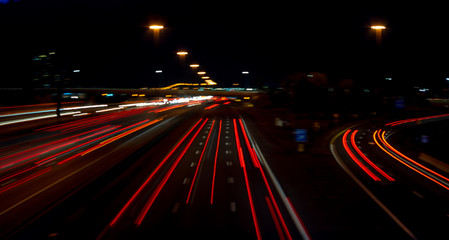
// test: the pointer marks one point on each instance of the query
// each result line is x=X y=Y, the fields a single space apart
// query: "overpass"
x=150 y=92
x=163 y=92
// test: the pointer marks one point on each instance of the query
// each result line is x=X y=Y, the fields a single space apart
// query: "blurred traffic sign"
x=300 y=135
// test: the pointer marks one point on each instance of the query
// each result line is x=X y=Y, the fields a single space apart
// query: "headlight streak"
x=408 y=162
x=36 y=118
x=84 y=123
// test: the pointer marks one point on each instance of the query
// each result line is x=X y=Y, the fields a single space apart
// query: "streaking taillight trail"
x=381 y=142
x=367 y=165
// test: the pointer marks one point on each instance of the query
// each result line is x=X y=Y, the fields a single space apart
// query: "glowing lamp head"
x=156 y=27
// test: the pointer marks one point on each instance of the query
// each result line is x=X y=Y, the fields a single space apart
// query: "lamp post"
x=156 y=29
x=378 y=29
x=182 y=56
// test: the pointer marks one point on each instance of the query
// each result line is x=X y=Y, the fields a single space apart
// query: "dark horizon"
x=110 y=43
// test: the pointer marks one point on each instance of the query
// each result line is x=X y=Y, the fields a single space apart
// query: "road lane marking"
x=418 y=194
x=175 y=207
x=150 y=177
x=233 y=207
x=194 y=184
x=162 y=182
x=186 y=180
x=215 y=164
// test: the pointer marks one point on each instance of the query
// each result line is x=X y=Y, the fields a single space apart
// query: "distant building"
x=50 y=71
x=45 y=72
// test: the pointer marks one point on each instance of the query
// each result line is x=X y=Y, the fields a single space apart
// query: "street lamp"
x=378 y=29
x=156 y=29
x=194 y=65
x=182 y=53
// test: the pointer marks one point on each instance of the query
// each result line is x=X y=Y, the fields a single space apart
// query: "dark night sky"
x=108 y=40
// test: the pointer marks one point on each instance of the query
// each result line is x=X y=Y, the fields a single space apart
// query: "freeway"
x=412 y=192
x=41 y=168
x=165 y=171
x=213 y=183
x=205 y=169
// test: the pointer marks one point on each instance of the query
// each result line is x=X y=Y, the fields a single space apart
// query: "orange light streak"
x=426 y=175
x=366 y=158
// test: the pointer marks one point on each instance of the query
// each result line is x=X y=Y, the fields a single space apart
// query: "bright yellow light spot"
x=135 y=95
x=104 y=94
x=194 y=65
x=205 y=77
x=378 y=27
x=182 y=53
x=203 y=84
x=247 y=98
x=210 y=82
x=156 y=27
x=141 y=95
x=238 y=100
x=168 y=96
x=201 y=73
x=235 y=84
